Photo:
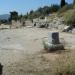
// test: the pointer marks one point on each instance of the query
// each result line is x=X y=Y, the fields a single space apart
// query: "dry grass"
x=65 y=64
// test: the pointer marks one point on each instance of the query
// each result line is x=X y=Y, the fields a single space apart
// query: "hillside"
x=4 y=16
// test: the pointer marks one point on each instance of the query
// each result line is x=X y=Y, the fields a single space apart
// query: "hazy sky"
x=23 y=6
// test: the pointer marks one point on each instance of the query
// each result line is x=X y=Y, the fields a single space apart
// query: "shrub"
x=74 y=4
x=14 y=15
x=69 y=17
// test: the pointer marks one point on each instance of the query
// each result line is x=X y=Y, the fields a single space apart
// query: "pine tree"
x=63 y=3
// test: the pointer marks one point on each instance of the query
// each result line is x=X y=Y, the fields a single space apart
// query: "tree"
x=42 y=12
x=14 y=15
x=54 y=8
x=63 y=3
x=74 y=2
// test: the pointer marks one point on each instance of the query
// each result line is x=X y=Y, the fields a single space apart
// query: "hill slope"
x=4 y=16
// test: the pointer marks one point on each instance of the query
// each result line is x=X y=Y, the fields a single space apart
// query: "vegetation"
x=14 y=15
x=74 y=4
x=65 y=8
x=65 y=64
x=42 y=12
x=69 y=17
x=4 y=21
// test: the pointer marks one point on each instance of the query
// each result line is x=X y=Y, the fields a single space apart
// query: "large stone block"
x=54 y=37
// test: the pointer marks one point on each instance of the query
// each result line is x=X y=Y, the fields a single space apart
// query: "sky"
x=24 y=6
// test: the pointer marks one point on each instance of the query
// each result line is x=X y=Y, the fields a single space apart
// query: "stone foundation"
x=52 y=43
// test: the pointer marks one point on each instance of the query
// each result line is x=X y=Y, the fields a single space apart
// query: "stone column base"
x=52 y=47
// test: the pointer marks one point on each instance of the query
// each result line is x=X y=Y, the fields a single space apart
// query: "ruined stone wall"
x=16 y=24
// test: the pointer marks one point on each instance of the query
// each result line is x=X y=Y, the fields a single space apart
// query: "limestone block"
x=54 y=37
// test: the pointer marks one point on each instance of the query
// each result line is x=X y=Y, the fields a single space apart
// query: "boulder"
x=67 y=28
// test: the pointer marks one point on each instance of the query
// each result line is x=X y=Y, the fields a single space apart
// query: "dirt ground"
x=21 y=51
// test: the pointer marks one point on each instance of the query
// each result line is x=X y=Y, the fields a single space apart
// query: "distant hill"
x=4 y=16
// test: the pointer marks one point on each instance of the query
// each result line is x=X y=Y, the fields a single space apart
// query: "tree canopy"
x=42 y=11
x=14 y=15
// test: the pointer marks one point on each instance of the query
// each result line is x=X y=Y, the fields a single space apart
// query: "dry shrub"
x=65 y=64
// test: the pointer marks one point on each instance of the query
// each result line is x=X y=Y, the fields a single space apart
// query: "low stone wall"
x=28 y=23
x=16 y=24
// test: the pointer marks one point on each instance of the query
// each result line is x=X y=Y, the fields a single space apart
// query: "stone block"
x=54 y=37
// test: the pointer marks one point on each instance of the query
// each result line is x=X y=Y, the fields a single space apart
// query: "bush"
x=74 y=6
x=69 y=17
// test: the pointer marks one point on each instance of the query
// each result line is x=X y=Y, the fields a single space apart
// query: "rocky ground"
x=21 y=51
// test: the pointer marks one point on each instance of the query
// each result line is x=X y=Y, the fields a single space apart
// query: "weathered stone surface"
x=54 y=37
x=28 y=23
x=41 y=23
x=16 y=24
x=73 y=31
x=52 y=47
x=67 y=28
x=3 y=26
